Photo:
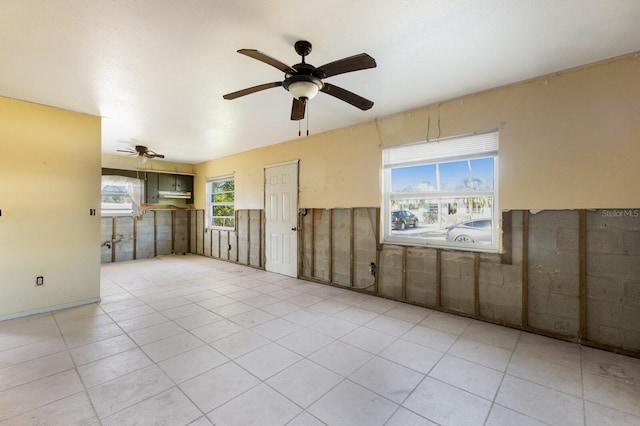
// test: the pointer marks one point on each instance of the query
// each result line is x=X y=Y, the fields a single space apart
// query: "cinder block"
x=553 y=260
x=605 y=288
x=631 y=339
x=491 y=274
x=605 y=334
x=604 y=313
x=631 y=242
x=632 y=293
x=555 y=282
x=613 y=265
x=603 y=241
x=567 y=238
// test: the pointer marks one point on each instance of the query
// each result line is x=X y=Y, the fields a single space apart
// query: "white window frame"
x=476 y=146
x=131 y=188
x=211 y=203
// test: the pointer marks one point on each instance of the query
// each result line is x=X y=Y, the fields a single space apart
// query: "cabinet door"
x=166 y=182
x=184 y=183
x=151 y=188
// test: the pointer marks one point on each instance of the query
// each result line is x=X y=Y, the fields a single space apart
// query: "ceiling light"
x=303 y=89
x=303 y=86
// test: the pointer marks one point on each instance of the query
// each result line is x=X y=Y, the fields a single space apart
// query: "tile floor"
x=191 y=340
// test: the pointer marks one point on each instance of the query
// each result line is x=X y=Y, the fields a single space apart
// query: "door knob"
x=294 y=229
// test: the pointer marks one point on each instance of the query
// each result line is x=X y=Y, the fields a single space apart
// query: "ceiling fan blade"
x=151 y=154
x=297 y=109
x=256 y=54
x=251 y=90
x=128 y=151
x=352 y=63
x=347 y=96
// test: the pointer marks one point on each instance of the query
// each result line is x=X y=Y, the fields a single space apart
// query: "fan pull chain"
x=307 y=118
x=299 y=132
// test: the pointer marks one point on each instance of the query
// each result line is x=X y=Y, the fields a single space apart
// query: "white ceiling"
x=156 y=70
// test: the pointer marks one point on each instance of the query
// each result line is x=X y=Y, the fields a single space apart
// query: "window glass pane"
x=221 y=205
x=457 y=220
x=482 y=172
x=223 y=186
x=120 y=195
x=224 y=197
x=222 y=210
x=455 y=176
x=414 y=179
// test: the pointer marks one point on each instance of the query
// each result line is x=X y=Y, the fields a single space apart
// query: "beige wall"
x=569 y=140
x=50 y=174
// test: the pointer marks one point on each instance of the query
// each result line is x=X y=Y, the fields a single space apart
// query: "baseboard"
x=49 y=309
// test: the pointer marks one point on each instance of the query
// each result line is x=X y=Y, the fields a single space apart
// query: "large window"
x=121 y=196
x=443 y=193
x=221 y=206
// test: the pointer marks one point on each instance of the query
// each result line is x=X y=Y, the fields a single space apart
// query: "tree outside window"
x=222 y=202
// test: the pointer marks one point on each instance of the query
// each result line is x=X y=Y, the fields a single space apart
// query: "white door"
x=281 y=211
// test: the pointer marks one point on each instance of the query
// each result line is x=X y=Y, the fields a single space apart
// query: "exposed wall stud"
x=135 y=238
x=173 y=231
x=438 y=278
x=155 y=233
x=582 y=248
x=476 y=284
x=330 y=245
x=351 y=248
x=300 y=254
x=312 y=272
x=404 y=273
x=525 y=268
x=113 y=239
x=189 y=230
x=261 y=261
x=248 y=237
x=378 y=250
x=507 y=232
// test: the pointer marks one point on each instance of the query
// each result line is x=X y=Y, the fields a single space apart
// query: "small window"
x=121 y=196
x=221 y=206
x=443 y=193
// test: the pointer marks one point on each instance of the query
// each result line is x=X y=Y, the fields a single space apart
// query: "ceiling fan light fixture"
x=303 y=86
x=303 y=89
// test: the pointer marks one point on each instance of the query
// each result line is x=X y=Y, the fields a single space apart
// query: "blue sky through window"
x=453 y=176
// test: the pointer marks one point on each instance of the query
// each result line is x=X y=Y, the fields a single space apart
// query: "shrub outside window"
x=221 y=196
x=443 y=193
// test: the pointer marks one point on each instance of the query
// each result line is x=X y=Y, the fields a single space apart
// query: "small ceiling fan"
x=142 y=152
x=304 y=81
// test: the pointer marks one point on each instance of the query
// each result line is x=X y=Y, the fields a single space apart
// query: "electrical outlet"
x=372 y=268
x=40 y=280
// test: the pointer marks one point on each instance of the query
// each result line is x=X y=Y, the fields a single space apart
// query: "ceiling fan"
x=142 y=152
x=304 y=81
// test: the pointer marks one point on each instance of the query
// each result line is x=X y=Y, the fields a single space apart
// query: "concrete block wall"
x=554 y=272
x=490 y=286
x=155 y=232
x=243 y=245
x=421 y=276
x=145 y=248
x=341 y=231
x=613 y=277
x=181 y=232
